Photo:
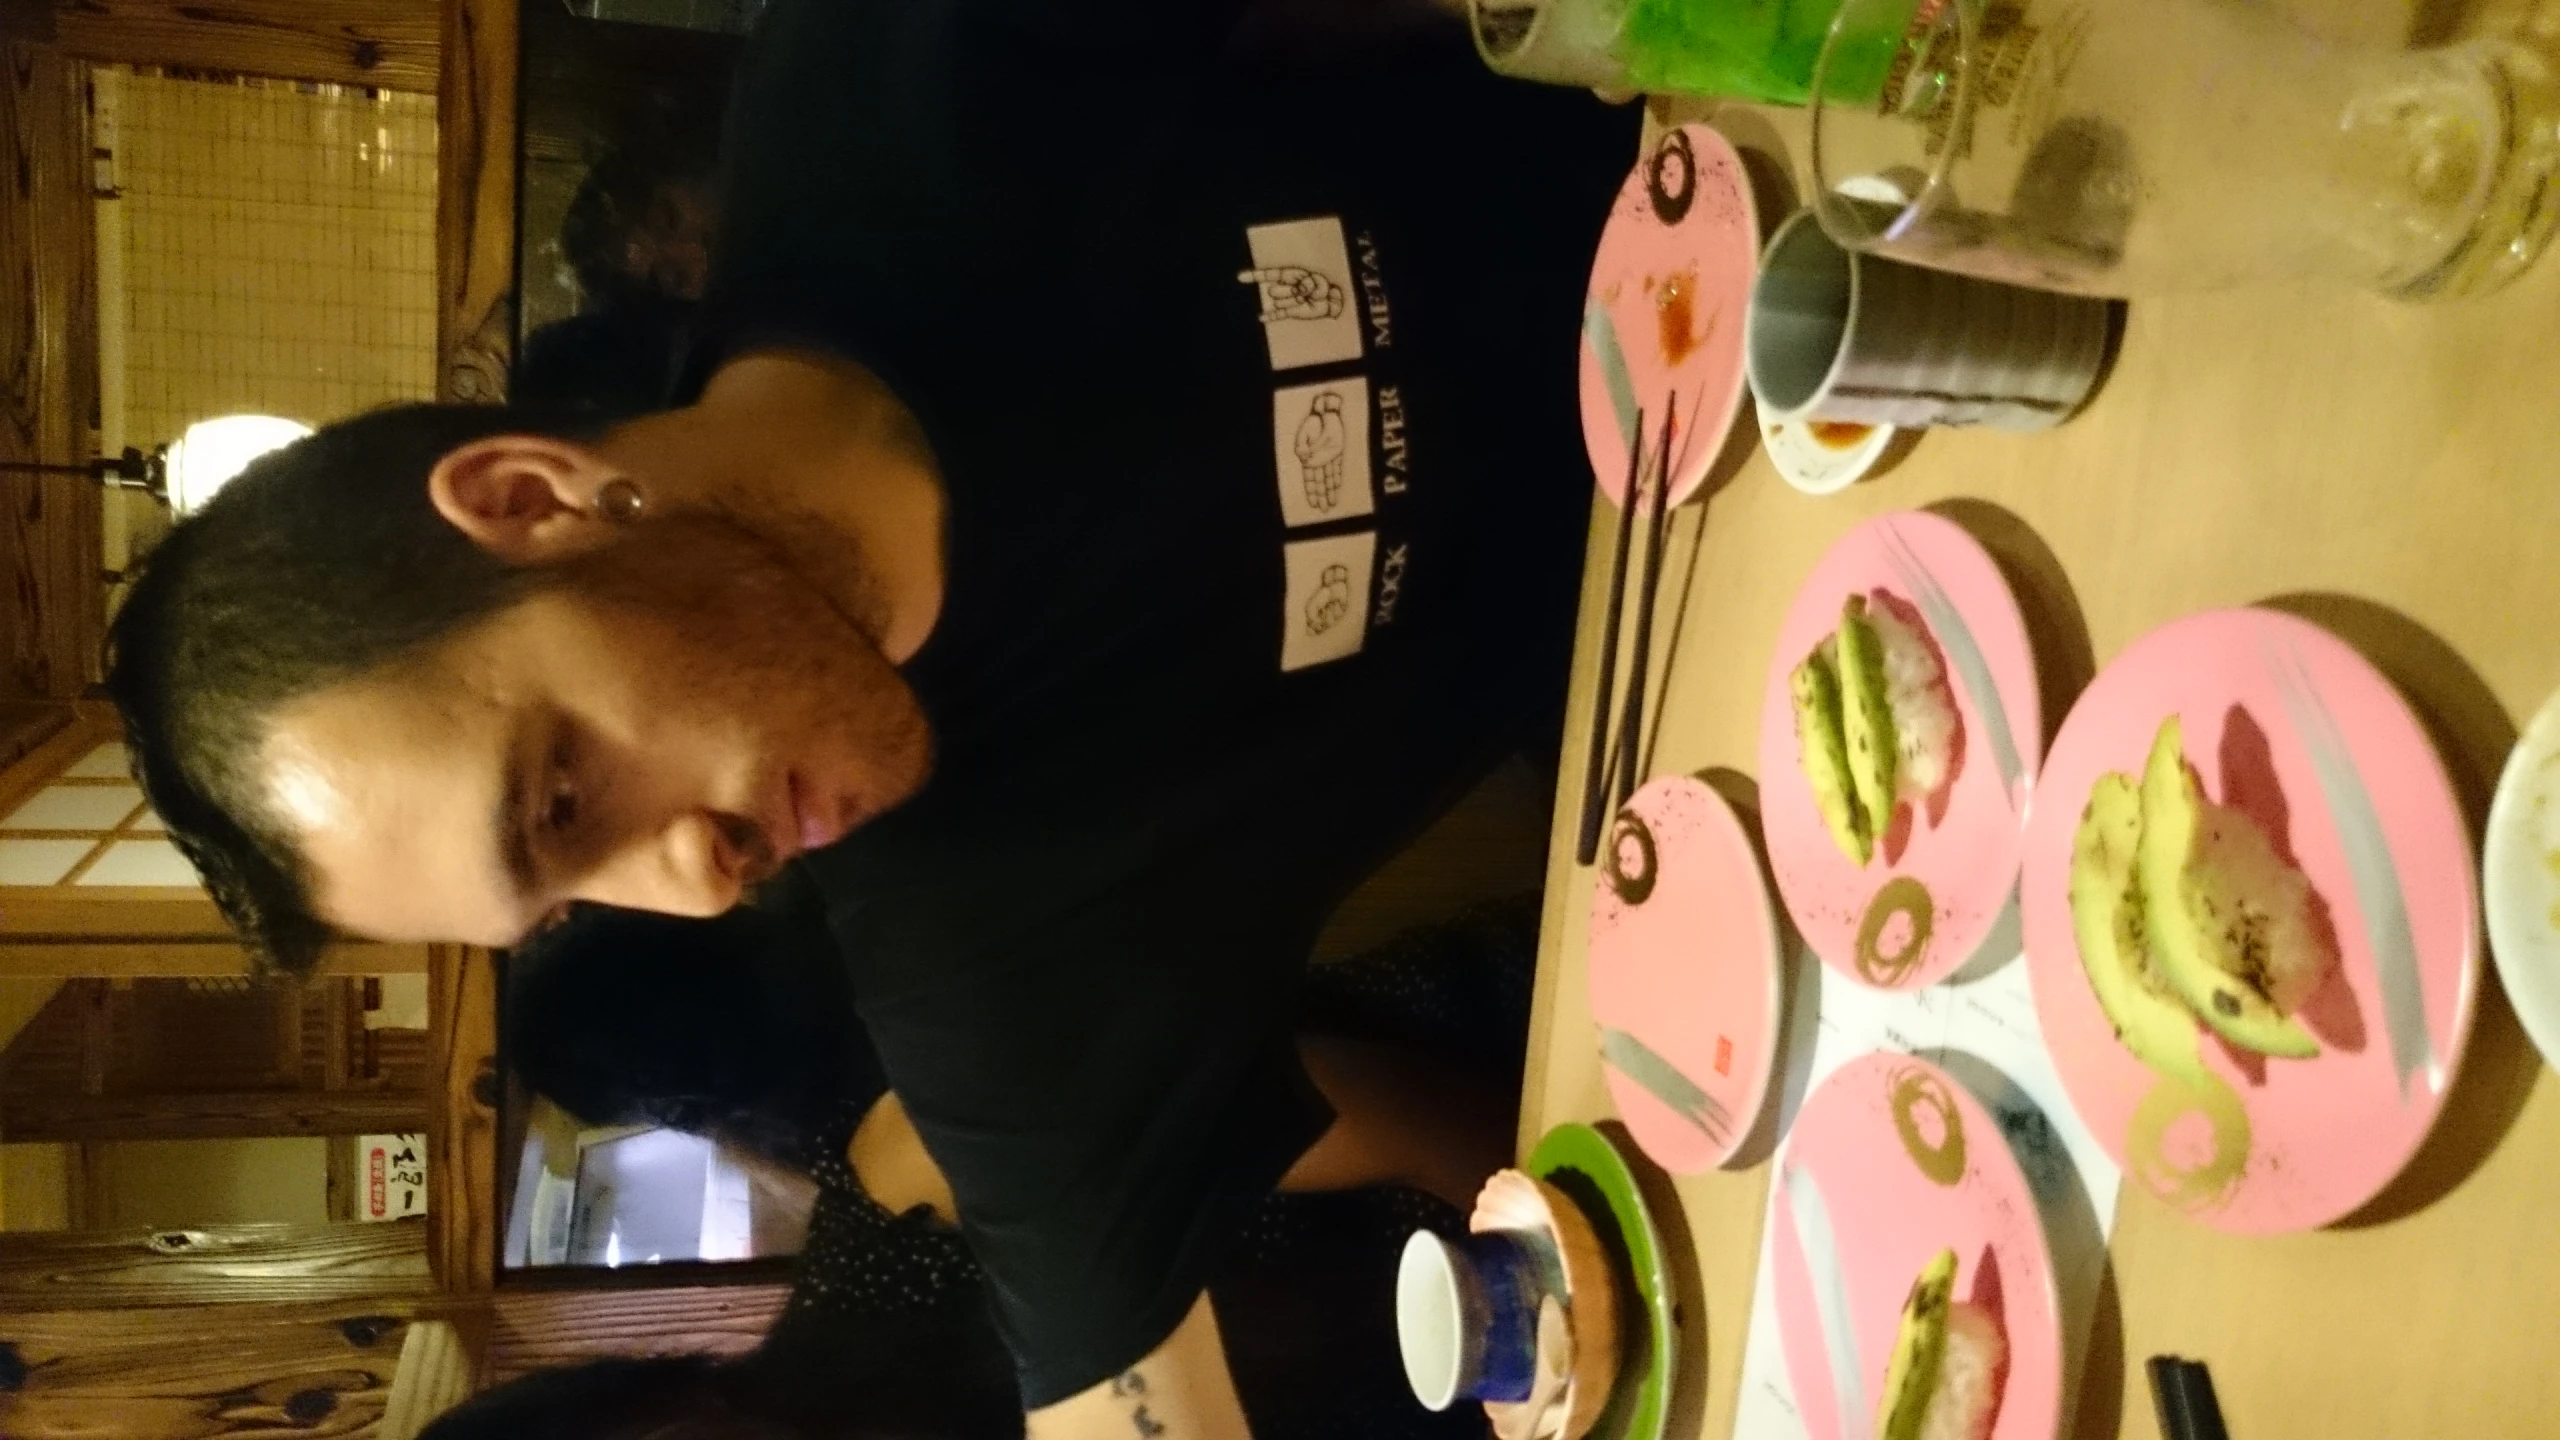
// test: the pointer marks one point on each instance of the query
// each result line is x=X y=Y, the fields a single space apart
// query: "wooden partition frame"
x=462 y=1122
x=475 y=343
x=476 y=199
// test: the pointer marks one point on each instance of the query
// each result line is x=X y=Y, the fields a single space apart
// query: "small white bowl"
x=2520 y=879
x=1814 y=458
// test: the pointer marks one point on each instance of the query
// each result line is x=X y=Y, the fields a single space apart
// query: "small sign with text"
x=392 y=1173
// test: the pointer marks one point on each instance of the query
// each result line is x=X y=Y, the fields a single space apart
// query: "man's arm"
x=1398 y=1119
x=1180 y=1391
x=1402 y=1119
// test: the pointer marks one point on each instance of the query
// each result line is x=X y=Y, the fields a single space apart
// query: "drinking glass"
x=1761 y=50
x=2135 y=147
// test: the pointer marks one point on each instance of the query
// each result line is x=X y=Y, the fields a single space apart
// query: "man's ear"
x=524 y=498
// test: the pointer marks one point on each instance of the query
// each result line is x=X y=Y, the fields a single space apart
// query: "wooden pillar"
x=49 y=524
x=211 y=1265
x=462 y=1121
x=476 y=199
x=245 y=1115
x=310 y=1370
x=184 y=959
x=539 y=1329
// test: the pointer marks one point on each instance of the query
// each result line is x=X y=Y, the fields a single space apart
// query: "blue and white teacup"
x=1467 y=1316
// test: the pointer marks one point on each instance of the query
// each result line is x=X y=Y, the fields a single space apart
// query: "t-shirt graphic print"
x=1301 y=279
x=1320 y=450
x=1312 y=305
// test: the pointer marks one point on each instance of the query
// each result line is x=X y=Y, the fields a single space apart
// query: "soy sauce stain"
x=1675 y=305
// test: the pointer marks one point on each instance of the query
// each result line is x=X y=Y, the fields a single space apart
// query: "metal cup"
x=1839 y=335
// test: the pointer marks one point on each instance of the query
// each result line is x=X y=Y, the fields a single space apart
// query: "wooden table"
x=2388 y=471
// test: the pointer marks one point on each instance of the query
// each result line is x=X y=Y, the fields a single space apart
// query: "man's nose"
x=696 y=864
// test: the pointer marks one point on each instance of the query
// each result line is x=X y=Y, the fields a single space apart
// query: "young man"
x=1121 y=492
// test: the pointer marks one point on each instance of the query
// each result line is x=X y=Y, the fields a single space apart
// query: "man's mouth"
x=818 y=820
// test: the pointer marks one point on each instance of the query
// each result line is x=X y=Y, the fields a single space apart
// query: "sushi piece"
x=2229 y=922
x=1876 y=725
x=1919 y=1346
x=1925 y=722
x=1949 y=1362
x=2107 y=920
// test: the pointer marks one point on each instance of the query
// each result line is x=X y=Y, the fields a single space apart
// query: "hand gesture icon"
x=1293 y=292
x=1331 y=600
x=1319 y=445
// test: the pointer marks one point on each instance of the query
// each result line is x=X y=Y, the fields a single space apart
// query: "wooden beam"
x=476 y=200
x=537 y=1329
x=28 y=20
x=26 y=724
x=110 y=913
x=243 y=1115
x=386 y=44
x=204 y=1372
x=462 y=1125
x=49 y=524
x=214 y=1265
x=42 y=762
x=188 y=960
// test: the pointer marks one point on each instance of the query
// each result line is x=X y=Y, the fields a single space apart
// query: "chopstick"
x=1631 y=724
x=2182 y=1395
x=1596 y=804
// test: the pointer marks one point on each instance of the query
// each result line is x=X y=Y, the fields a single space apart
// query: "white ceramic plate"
x=2520 y=879
x=1815 y=456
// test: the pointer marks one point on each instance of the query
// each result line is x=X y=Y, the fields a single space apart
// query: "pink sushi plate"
x=1684 y=966
x=1905 y=1164
x=2285 y=722
x=1673 y=272
x=1941 y=878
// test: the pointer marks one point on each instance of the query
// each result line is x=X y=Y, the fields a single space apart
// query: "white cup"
x=1467 y=1316
x=1839 y=335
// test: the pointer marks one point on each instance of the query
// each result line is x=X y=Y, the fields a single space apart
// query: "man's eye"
x=560 y=811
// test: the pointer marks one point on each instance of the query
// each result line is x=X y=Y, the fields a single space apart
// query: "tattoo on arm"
x=1131 y=1385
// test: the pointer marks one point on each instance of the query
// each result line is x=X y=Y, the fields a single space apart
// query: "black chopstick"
x=2182 y=1395
x=1596 y=804
x=1631 y=725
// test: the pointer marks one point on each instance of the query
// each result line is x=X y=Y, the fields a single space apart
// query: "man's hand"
x=1180 y=1392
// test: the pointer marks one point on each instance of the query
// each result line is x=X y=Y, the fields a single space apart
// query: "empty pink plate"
x=2284 y=721
x=1673 y=272
x=1684 y=974
x=1896 y=1161
x=1939 y=881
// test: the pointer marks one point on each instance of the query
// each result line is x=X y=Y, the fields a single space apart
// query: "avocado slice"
x=1866 y=720
x=2199 y=935
x=2107 y=918
x=1911 y=1377
x=1815 y=688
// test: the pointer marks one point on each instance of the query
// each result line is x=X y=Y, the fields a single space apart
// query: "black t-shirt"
x=887 y=1319
x=1253 y=398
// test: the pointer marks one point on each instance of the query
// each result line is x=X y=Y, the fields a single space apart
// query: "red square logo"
x=1724 y=1055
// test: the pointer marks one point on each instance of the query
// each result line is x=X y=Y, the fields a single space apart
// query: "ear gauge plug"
x=620 y=501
